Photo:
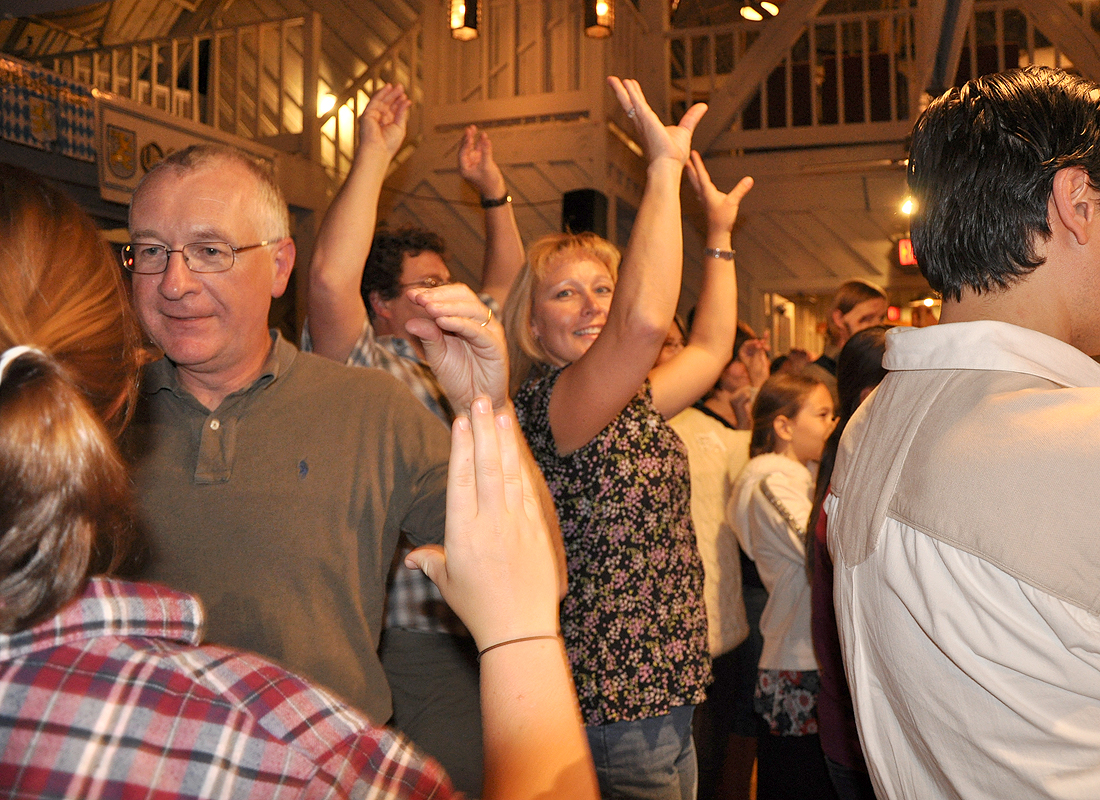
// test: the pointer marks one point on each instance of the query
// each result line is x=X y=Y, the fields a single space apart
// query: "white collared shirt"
x=964 y=528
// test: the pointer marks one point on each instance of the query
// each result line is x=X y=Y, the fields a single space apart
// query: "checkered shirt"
x=112 y=698
x=413 y=602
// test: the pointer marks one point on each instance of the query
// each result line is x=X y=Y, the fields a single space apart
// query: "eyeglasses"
x=426 y=283
x=152 y=259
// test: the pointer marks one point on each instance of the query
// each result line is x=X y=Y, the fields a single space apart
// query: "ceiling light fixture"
x=599 y=18
x=756 y=10
x=465 y=16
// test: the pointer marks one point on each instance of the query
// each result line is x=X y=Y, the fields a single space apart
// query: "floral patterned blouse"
x=634 y=622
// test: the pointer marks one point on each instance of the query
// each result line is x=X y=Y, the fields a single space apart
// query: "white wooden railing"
x=849 y=71
x=400 y=63
x=257 y=81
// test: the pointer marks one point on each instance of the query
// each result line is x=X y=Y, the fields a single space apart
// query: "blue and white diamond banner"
x=42 y=109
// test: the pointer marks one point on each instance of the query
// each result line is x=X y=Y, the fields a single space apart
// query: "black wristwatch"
x=493 y=202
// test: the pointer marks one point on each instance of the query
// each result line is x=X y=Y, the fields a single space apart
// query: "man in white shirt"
x=964 y=507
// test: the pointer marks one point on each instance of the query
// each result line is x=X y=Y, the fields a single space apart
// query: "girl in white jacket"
x=769 y=507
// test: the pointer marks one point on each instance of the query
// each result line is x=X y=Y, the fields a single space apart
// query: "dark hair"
x=859 y=367
x=382 y=272
x=66 y=510
x=981 y=172
x=782 y=395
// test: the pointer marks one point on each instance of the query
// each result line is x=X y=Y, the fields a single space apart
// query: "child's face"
x=812 y=425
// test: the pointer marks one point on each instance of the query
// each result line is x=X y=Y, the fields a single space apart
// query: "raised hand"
x=661 y=141
x=721 y=207
x=754 y=355
x=463 y=345
x=496 y=567
x=477 y=166
x=382 y=123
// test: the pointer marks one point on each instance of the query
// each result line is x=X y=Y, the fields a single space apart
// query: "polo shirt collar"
x=992 y=346
x=163 y=374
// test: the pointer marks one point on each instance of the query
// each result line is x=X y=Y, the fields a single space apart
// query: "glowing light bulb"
x=601 y=9
x=751 y=13
x=771 y=8
x=907 y=206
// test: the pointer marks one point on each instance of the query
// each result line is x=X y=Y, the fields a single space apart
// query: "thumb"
x=430 y=560
x=431 y=337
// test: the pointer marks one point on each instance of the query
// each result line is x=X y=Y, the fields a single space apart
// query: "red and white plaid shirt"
x=112 y=698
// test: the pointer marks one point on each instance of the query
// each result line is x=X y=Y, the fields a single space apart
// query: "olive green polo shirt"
x=281 y=508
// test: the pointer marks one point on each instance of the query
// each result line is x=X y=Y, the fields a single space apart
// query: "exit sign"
x=906 y=256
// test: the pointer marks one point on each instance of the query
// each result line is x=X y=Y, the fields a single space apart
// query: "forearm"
x=649 y=279
x=715 y=324
x=535 y=745
x=346 y=233
x=335 y=308
x=504 y=253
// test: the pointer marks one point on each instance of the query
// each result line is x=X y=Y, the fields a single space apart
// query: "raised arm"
x=496 y=571
x=594 y=389
x=503 y=246
x=335 y=309
x=688 y=375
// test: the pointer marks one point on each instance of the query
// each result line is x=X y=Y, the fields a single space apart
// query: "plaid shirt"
x=413 y=601
x=113 y=698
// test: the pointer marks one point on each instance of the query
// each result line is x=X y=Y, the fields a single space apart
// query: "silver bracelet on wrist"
x=716 y=252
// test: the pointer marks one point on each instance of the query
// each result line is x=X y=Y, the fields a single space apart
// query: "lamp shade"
x=599 y=18
x=465 y=17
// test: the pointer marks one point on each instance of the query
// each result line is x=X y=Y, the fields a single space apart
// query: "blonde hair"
x=65 y=508
x=524 y=350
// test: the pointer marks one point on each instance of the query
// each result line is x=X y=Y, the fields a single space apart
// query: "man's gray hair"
x=271 y=208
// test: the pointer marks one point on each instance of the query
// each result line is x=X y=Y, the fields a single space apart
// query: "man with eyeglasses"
x=273 y=484
x=357 y=312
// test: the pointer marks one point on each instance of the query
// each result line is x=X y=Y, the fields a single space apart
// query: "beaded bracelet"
x=513 y=641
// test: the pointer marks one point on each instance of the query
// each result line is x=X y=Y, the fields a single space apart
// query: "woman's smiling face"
x=569 y=306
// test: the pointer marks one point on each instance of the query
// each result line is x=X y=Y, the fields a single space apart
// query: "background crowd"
x=615 y=575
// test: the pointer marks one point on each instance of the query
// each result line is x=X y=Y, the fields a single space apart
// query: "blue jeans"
x=646 y=759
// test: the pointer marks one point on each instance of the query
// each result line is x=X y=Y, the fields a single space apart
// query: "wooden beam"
x=1069 y=32
x=774 y=43
x=942 y=62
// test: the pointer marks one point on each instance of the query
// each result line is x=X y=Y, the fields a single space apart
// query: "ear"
x=1074 y=202
x=782 y=427
x=379 y=305
x=838 y=320
x=285 y=253
x=534 y=328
